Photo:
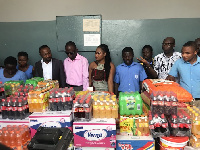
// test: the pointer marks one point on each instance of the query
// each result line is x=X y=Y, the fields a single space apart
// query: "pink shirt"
x=77 y=71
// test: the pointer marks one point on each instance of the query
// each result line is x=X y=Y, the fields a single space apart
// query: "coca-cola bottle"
x=9 y=108
x=160 y=100
x=4 y=109
x=14 y=109
x=174 y=125
x=167 y=103
x=21 y=113
x=154 y=103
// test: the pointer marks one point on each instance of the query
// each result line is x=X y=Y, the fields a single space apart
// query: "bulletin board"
x=84 y=31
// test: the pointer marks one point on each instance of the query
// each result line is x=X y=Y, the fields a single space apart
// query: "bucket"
x=173 y=143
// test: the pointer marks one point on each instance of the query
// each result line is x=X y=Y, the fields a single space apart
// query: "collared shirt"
x=47 y=70
x=189 y=75
x=163 y=64
x=77 y=71
x=129 y=77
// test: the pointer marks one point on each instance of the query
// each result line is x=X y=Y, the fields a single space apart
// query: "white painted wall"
x=45 y=10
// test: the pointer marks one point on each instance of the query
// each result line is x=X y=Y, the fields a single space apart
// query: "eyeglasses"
x=168 y=44
x=71 y=53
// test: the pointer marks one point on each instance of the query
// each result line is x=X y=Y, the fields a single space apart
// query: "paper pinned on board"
x=91 y=25
x=91 y=39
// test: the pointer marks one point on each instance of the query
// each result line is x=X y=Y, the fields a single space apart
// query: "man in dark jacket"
x=50 y=68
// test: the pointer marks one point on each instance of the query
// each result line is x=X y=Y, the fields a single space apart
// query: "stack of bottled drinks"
x=61 y=99
x=82 y=108
x=2 y=91
x=137 y=125
x=38 y=99
x=14 y=108
x=180 y=124
x=165 y=105
x=158 y=125
x=105 y=106
x=11 y=87
x=15 y=137
x=34 y=81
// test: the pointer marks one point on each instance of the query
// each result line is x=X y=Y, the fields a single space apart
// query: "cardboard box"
x=92 y=148
x=5 y=122
x=135 y=143
x=50 y=119
x=95 y=133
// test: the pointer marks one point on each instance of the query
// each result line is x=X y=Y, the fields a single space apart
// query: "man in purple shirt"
x=76 y=68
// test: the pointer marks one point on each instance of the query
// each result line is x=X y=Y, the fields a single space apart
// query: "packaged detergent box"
x=135 y=143
x=50 y=119
x=95 y=133
x=5 y=122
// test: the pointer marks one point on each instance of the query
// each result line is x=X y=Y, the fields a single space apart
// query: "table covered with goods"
x=38 y=114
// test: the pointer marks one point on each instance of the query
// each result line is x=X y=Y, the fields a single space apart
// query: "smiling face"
x=189 y=54
x=128 y=58
x=22 y=61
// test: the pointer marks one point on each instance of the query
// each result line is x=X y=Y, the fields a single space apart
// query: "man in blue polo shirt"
x=129 y=75
x=188 y=69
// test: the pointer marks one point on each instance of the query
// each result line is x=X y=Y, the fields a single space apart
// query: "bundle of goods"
x=137 y=125
x=105 y=106
x=158 y=125
x=16 y=137
x=11 y=87
x=14 y=108
x=47 y=83
x=82 y=108
x=164 y=103
x=51 y=139
x=34 y=81
x=95 y=133
x=2 y=91
x=165 y=86
x=130 y=103
x=61 y=99
x=38 y=99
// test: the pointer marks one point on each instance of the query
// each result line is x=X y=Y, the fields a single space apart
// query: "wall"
x=27 y=24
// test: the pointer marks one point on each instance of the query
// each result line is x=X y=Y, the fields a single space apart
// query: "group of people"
x=102 y=75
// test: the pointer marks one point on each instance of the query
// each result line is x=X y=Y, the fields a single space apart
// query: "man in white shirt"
x=164 y=61
x=50 y=68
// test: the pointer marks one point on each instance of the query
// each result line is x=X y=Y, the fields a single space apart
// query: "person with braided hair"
x=101 y=71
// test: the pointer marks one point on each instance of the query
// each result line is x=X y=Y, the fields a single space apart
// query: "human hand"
x=142 y=60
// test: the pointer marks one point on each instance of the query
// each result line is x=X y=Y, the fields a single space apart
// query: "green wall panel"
x=117 y=34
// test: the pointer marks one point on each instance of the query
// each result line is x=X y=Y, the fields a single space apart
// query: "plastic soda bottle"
x=196 y=124
x=102 y=110
x=4 y=109
x=114 y=110
x=108 y=108
x=96 y=110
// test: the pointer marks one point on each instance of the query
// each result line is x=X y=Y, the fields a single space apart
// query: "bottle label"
x=161 y=103
x=9 y=108
x=20 y=108
x=174 y=104
x=167 y=104
x=14 y=108
x=3 y=108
